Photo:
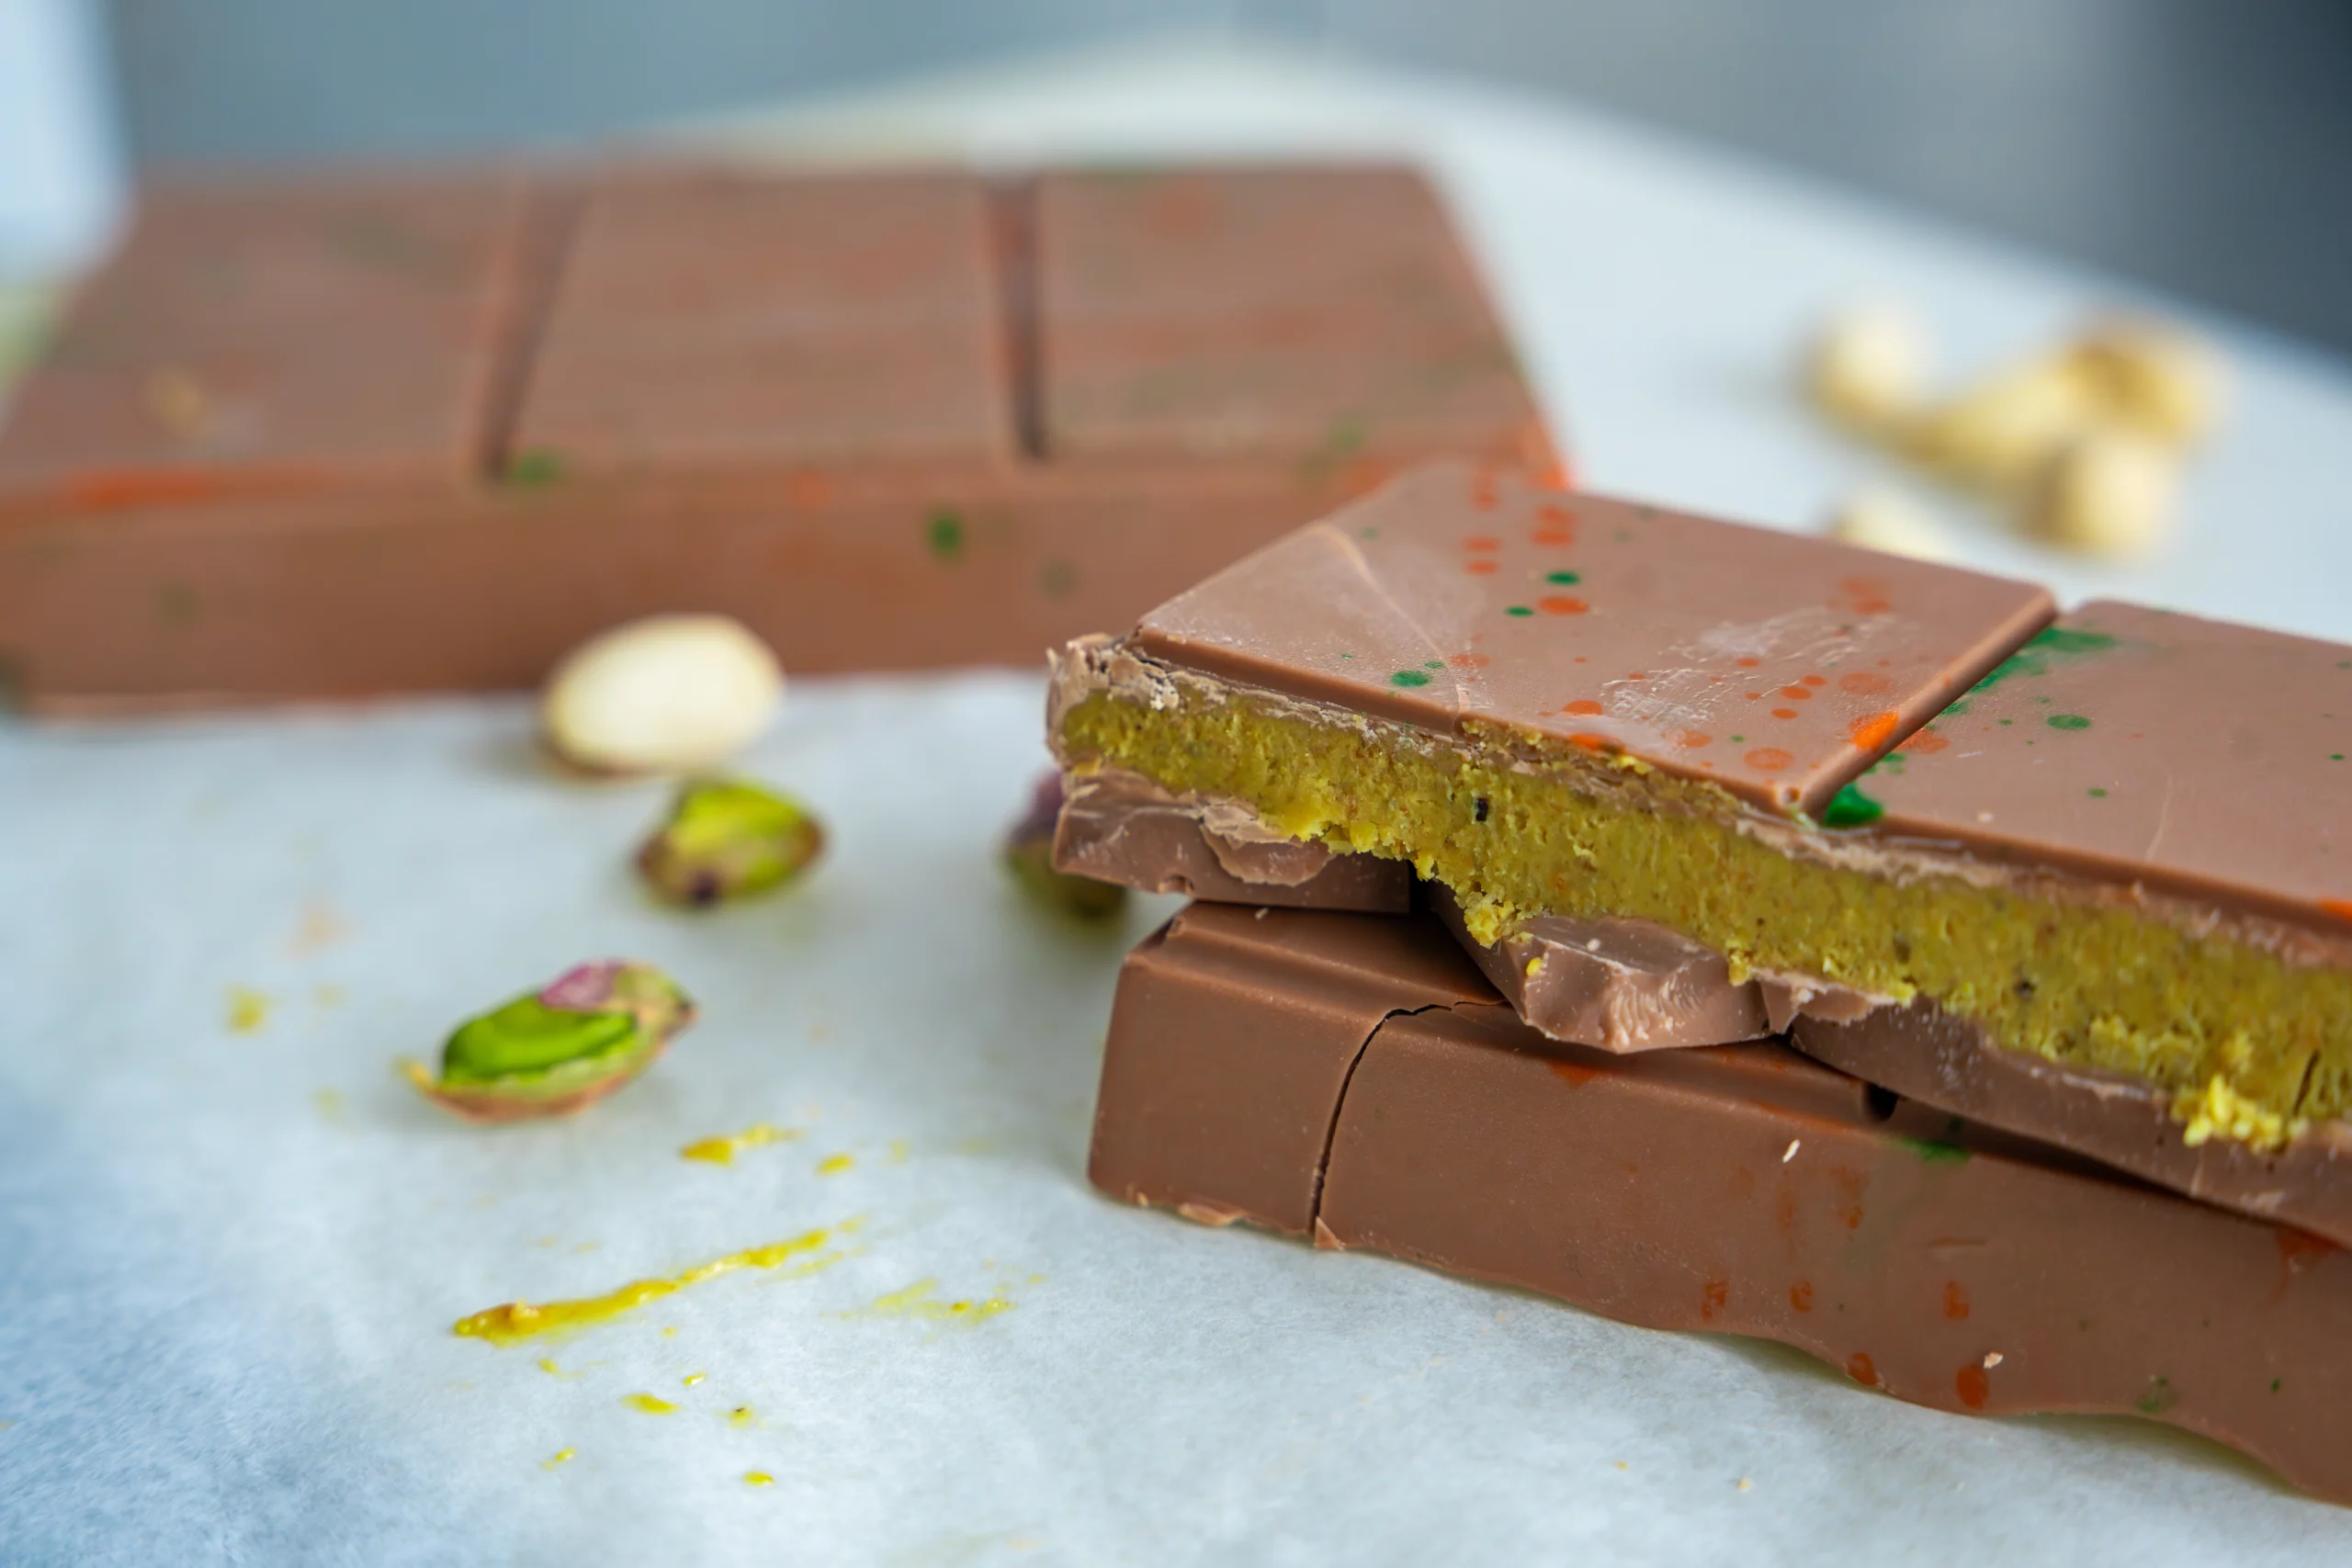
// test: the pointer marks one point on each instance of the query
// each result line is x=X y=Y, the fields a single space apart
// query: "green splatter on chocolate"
x=2335 y=756
x=2098 y=793
x=2275 y=1383
x=534 y=467
x=2068 y=721
x=1409 y=678
x=943 y=533
x=2034 y=658
x=1565 y=579
x=1432 y=663
x=1849 y=808
x=1934 y=1151
x=1740 y=740
x=2158 y=1397
x=1367 y=533
x=1056 y=577
x=1518 y=610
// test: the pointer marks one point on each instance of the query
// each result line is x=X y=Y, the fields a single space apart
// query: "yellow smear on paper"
x=330 y=1104
x=520 y=1320
x=563 y=1456
x=692 y=1378
x=648 y=1403
x=742 y=1416
x=722 y=1148
x=917 y=1300
x=758 y=1478
x=833 y=1165
x=248 y=1009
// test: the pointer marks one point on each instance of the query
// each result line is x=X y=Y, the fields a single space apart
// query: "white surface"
x=60 y=179
x=224 y=1302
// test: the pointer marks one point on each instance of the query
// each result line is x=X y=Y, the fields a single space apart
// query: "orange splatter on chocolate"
x=1561 y=605
x=1481 y=567
x=1784 y=713
x=1574 y=1074
x=1862 y=1369
x=1481 y=490
x=1849 y=1206
x=1748 y=663
x=1591 y=742
x=1553 y=535
x=806 y=487
x=1862 y=684
x=1484 y=543
x=1469 y=660
x=1784 y=1211
x=1797 y=694
x=1800 y=1296
x=2340 y=908
x=1582 y=705
x=1816 y=680
x=1955 y=1301
x=1874 y=731
x=1866 y=595
x=1768 y=759
x=1692 y=739
x=1973 y=1386
x=1926 y=742
x=1714 y=1294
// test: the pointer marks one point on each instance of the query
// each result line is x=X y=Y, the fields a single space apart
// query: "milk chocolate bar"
x=1266 y=1069
x=1863 y=782
x=399 y=433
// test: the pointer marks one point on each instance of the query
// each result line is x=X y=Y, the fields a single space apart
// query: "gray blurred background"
x=2204 y=146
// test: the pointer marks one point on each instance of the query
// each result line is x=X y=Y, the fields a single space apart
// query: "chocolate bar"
x=386 y=434
x=1863 y=782
x=1268 y=1068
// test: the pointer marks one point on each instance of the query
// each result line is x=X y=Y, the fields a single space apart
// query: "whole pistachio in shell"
x=728 y=838
x=553 y=1051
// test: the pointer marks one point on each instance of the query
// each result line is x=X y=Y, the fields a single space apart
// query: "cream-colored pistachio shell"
x=666 y=694
x=1867 y=366
x=2111 y=493
x=1885 y=520
x=2157 y=378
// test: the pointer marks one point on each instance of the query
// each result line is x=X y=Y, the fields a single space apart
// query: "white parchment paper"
x=233 y=1242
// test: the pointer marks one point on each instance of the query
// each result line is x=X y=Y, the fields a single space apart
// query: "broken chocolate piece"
x=1741 y=1190
x=1616 y=984
x=1029 y=855
x=1400 y=680
x=1120 y=827
x=1927 y=1054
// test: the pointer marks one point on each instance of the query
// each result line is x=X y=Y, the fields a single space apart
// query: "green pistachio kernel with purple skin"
x=585 y=1035
x=729 y=839
x=1029 y=855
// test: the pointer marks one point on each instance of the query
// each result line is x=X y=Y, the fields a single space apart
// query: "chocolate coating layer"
x=1776 y=665
x=1740 y=1188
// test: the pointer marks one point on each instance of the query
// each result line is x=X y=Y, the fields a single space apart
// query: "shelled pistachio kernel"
x=554 y=1051
x=667 y=693
x=2112 y=493
x=728 y=838
x=1029 y=854
x=1885 y=520
x=1866 y=367
x=2158 y=380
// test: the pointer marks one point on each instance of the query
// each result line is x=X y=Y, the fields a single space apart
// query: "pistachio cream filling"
x=2251 y=1039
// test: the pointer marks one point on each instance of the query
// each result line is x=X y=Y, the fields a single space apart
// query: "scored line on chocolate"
x=545 y=228
x=1013 y=224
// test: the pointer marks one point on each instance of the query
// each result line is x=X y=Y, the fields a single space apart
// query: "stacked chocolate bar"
x=1721 y=929
x=345 y=435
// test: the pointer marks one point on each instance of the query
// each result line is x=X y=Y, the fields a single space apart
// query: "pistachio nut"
x=549 y=1053
x=728 y=838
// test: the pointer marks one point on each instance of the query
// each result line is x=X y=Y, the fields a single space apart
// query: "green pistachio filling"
x=2249 y=1045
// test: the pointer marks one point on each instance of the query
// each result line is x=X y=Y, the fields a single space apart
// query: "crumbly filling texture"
x=2252 y=1043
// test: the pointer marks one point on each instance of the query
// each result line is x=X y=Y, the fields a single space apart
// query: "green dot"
x=1565 y=579
x=536 y=466
x=1740 y=740
x=1432 y=664
x=2098 y=793
x=944 y=531
x=1409 y=678
x=1368 y=534
x=2044 y=701
x=2274 y=1384
x=1518 y=610
x=2335 y=756
x=2068 y=721
x=1851 y=808
x=2005 y=721
x=1347 y=656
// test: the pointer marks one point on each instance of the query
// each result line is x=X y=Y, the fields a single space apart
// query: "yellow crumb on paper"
x=918 y=1301
x=758 y=1478
x=742 y=1416
x=248 y=1009
x=833 y=1165
x=648 y=1403
x=692 y=1378
x=722 y=1148
x=329 y=1102
x=563 y=1456
x=520 y=1320
x=1744 y=1484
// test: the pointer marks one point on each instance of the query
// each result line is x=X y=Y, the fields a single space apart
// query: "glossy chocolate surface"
x=1775 y=665
x=1741 y=1189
